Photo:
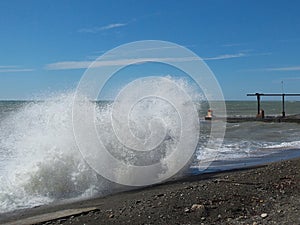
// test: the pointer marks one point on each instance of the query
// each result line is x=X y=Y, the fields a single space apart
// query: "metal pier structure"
x=283 y=95
x=260 y=113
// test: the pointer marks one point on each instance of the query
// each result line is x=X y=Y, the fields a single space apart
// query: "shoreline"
x=295 y=118
x=265 y=194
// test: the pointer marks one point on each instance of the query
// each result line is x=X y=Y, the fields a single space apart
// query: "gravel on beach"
x=267 y=194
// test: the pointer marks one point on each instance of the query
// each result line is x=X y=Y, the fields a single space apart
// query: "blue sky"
x=249 y=45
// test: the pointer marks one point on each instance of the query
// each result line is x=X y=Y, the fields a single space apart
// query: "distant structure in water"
x=260 y=113
x=209 y=115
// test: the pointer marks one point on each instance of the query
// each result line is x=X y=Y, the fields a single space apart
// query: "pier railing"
x=283 y=95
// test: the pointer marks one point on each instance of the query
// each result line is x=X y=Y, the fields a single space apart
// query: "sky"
x=251 y=46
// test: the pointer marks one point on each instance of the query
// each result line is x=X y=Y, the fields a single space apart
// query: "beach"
x=149 y=112
x=265 y=194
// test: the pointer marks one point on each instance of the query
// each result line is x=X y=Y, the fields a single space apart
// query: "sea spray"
x=44 y=163
x=42 y=160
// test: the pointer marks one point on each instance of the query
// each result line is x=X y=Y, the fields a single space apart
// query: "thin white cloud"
x=14 y=69
x=6 y=67
x=273 y=69
x=291 y=68
x=103 y=28
x=146 y=49
x=226 y=56
x=67 y=65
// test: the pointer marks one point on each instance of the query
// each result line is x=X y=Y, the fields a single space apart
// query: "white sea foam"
x=42 y=161
x=285 y=145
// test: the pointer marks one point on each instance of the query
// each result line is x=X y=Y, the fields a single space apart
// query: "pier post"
x=258 y=103
x=282 y=95
x=283 y=110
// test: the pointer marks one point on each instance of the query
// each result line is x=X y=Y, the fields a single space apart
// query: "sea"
x=40 y=162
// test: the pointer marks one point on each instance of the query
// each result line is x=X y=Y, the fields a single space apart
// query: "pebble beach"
x=265 y=194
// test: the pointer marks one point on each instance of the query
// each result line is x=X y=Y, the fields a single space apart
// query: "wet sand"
x=267 y=194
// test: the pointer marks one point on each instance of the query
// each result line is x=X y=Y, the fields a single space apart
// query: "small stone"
x=254 y=223
x=197 y=207
x=264 y=215
x=111 y=216
x=187 y=210
x=122 y=210
x=160 y=195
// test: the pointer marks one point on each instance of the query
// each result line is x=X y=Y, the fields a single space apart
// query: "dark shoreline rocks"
x=268 y=194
